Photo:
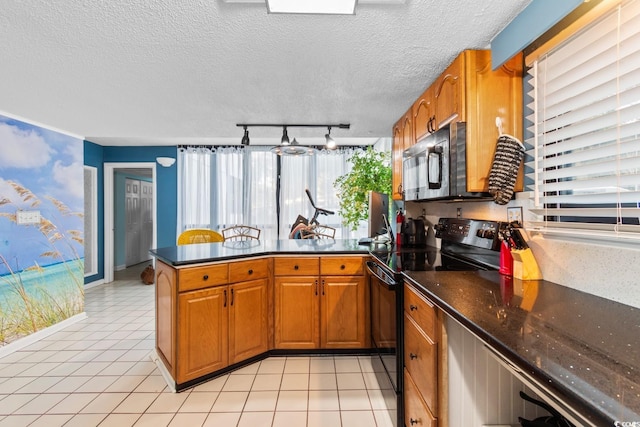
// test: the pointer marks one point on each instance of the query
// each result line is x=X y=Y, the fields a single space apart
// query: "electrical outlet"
x=514 y=214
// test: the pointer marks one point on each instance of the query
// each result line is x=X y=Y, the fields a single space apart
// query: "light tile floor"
x=98 y=372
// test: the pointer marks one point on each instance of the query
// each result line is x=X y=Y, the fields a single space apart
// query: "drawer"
x=416 y=412
x=341 y=266
x=420 y=359
x=248 y=270
x=202 y=277
x=296 y=266
x=423 y=312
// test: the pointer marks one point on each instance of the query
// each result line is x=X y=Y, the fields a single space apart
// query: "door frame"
x=109 y=169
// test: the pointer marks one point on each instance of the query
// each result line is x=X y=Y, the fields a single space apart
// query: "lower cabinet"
x=248 y=320
x=424 y=390
x=315 y=309
x=203 y=343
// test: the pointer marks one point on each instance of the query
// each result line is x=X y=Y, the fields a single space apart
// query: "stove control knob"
x=489 y=234
x=481 y=233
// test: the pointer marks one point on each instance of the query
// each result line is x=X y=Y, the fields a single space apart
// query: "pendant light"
x=285 y=136
x=330 y=142
x=245 y=138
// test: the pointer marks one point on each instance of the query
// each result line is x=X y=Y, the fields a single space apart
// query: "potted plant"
x=371 y=172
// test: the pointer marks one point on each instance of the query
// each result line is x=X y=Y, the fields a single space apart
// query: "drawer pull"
x=413 y=356
x=342 y=267
x=250 y=272
x=412 y=421
x=413 y=307
x=205 y=277
x=295 y=267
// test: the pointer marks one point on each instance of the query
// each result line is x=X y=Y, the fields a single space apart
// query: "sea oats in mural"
x=41 y=231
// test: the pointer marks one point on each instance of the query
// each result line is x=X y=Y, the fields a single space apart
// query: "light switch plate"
x=28 y=217
x=514 y=214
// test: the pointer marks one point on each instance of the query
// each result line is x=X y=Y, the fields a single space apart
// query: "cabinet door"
x=449 y=94
x=166 y=294
x=248 y=319
x=202 y=332
x=343 y=316
x=423 y=114
x=396 y=153
x=416 y=413
x=490 y=94
x=297 y=319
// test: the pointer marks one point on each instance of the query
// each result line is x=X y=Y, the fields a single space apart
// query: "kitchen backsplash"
x=608 y=271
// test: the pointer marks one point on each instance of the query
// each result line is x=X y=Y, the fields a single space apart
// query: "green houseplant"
x=371 y=172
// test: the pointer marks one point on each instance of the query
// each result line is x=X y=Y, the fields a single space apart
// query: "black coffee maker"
x=414 y=233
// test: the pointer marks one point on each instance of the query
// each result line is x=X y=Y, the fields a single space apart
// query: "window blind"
x=584 y=126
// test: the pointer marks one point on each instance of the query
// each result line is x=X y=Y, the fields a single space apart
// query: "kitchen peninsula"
x=222 y=305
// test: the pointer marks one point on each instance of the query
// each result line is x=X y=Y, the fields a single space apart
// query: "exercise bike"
x=312 y=229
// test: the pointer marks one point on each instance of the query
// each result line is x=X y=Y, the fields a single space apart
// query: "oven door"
x=384 y=332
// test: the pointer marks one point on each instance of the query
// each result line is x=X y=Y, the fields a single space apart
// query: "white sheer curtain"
x=317 y=173
x=224 y=186
x=194 y=188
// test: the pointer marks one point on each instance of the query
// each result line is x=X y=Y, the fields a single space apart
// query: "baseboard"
x=41 y=334
x=93 y=284
x=120 y=267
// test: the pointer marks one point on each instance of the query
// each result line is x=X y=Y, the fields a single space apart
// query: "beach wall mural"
x=41 y=228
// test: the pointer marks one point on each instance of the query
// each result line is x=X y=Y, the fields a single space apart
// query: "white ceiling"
x=168 y=72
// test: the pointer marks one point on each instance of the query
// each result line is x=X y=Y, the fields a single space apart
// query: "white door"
x=146 y=219
x=132 y=221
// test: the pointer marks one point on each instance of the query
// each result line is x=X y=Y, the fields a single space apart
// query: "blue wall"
x=525 y=28
x=167 y=185
x=166 y=197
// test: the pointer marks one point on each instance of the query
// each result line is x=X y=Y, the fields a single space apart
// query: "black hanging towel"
x=505 y=168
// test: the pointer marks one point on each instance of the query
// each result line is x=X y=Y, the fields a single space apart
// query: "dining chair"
x=241 y=232
x=199 y=235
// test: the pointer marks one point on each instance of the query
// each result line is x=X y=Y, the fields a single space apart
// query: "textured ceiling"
x=167 y=72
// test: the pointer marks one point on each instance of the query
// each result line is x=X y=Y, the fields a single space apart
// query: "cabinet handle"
x=342 y=267
x=412 y=421
x=413 y=356
x=399 y=188
x=250 y=272
x=322 y=286
x=413 y=307
x=225 y=298
x=295 y=267
x=316 y=287
x=231 y=296
x=205 y=277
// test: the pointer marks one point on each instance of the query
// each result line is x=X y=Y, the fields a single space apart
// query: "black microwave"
x=435 y=167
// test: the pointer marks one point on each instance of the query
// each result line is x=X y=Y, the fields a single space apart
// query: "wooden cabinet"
x=402 y=139
x=204 y=323
x=248 y=320
x=320 y=303
x=203 y=343
x=423 y=359
x=468 y=90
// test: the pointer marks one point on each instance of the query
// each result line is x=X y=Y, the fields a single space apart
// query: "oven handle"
x=377 y=271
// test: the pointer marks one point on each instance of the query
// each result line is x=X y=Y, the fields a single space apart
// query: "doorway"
x=116 y=225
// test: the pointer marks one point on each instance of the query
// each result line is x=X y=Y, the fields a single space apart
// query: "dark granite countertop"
x=230 y=250
x=582 y=348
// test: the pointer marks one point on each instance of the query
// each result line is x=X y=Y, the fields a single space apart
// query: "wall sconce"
x=165 y=161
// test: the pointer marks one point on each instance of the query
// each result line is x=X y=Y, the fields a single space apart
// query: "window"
x=223 y=186
x=584 y=122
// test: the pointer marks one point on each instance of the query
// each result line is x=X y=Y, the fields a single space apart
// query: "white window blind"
x=584 y=122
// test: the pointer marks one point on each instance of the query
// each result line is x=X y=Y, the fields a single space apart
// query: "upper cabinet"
x=403 y=138
x=468 y=90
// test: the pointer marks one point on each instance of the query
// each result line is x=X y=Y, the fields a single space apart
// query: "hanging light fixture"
x=288 y=147
x=330 y=142
x=245 y=138
x=285 y=136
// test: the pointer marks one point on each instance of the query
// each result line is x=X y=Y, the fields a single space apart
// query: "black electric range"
x=465 y=244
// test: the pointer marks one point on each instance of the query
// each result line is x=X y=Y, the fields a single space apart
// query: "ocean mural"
x=41 y=228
